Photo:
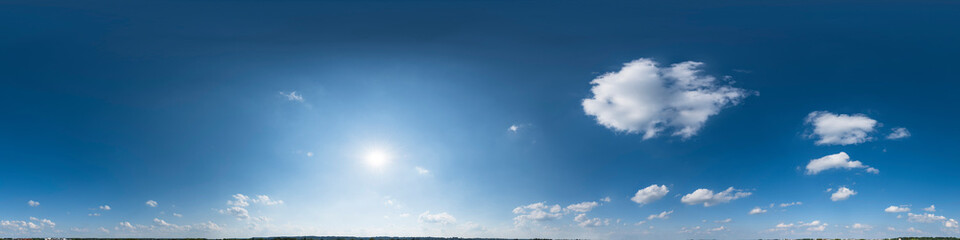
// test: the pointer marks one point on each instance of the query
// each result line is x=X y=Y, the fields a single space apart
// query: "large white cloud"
x=650 y=194
x=842 y=193
x=708 y=198
x=840 y=129
x=839 y=160
x=645 y=98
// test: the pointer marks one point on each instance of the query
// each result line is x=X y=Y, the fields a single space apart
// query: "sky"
x=513 y=119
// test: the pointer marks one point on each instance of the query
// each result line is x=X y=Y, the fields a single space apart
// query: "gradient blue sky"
x=477 y=108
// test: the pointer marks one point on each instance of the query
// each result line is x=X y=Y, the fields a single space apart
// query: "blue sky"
x=608 y=120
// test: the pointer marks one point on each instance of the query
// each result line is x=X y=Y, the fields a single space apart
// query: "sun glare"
x=377 y=158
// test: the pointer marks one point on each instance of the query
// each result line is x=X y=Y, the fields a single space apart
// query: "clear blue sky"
x=573 y=119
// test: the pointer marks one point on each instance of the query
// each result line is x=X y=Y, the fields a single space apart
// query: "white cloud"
x=720 y=228
x=843 y=193
x=151 y=203
x=791 y=204
x=724 y=221
x=93 y=214
x=662 y=215
x=127 y=225
x=33 y=203
x=650 y=194
x=899 y=133
x=441 y=218
x=239 y=212
x=951 y=223
x=606 y=199
x=309 y=154
x=265 y=200
x=583 y=221
x=897 y=209
x=645 y=98
x=861 y=226
x=814 y=226
x=931 y=209
x=840 y=129
x=513 y=128
x=582 y=207
x=925 y=217
x=293 y=96
x=757 y=210
x=839 y=160
x=177 y=215
x=240 y=200
x=708 y=198
x=536 y=212
x=105 y=207
x=422 y=171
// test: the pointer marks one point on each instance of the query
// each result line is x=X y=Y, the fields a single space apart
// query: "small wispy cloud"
x=899 y=133
x=293 y=96
x=422 y=171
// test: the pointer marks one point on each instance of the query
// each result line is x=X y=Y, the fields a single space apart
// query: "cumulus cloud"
x=930 y=209
x=661 y=215
x=650 y=194
x=724 y=221
x=240 y=200
x=105 y=207
x=293 y=96
x=644 y=98
x=582 y=207
x=897 y=209
x=757 y=210
x=925 y=217
x=34 y=225
x=842 y=193
x=513 y=128
x=151 y=203
x=950 y=223
x=708 y=198
x=839 y=160
x=840 y=129
x=583 y=221
x=605 y=199
x=899 y=133
x=238 y=212
x=536 y=212
x=441 y=218
x=265 y=200
x=33 y=203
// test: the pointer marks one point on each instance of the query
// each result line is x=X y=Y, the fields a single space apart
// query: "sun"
x=377 y=158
